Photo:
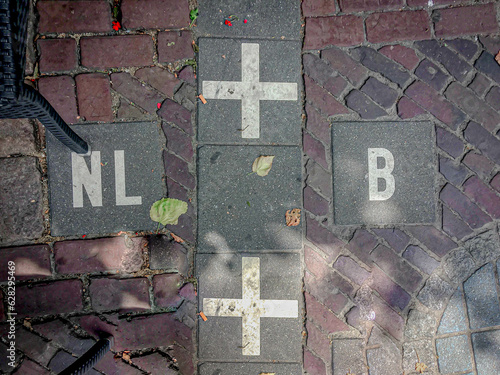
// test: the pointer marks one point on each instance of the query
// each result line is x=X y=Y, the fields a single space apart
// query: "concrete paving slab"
x=253 y=89
x=250 y=368
x=265 y=19
x=253 y=305
x=241 y=211
x=111 y=190
x=383 y=172
x=486 y=346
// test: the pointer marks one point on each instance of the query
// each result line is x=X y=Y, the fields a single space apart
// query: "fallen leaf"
x=292 y=217
x=176 y=238
x=203 y=316
x=126 y=357
x=497 y=58
x=420 y=367
x=262 y=165
x=202 y=98
x=27 y=323
x=167 y=210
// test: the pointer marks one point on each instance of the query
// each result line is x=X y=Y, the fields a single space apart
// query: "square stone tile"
x=383 y=172
x=254 y=285
x=239 y=368
x=253 y=91
x=453 y=354
x=128 y=158
x=241 y=211
x=266 y=19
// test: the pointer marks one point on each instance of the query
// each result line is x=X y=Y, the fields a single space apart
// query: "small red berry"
x=245 y=20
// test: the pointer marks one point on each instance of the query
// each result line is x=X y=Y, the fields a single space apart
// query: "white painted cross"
x=250 y=307
x=250 y=90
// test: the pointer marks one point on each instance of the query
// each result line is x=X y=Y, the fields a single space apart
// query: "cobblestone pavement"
x=378 y=298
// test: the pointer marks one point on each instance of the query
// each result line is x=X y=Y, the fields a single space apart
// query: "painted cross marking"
x=250 y=90
x=250 y=307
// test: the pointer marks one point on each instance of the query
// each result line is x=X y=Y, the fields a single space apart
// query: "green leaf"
x=262 y=165
x=167 y=210
x=193 y=14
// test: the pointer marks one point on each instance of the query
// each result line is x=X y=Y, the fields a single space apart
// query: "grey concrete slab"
x=383 y=172
x=263 y=288
x=265 y=19
x=241 y=211
x=453 y=354
x=486 y=352
x=253 y=91
x=128 y=158
x=238 y=368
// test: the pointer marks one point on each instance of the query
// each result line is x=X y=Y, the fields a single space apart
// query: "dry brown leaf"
x=420 y=367
x=176 y=238
x=292 y=217
x=27 y=323
x=126 y=357
x=497 y=58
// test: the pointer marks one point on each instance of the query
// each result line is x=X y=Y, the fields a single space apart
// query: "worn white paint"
x=121 y=198
x=385 y=173
x=250 y=90
x=250 y=307
x=82 y=177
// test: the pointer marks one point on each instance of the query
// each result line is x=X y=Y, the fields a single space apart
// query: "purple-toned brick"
x=311 y=8
x=491 y=43
x=432 y=74
x=388 y=319
x=312 y=364
x=391 y=292
x=178 y=170
x=178 y=142
x=380 y=92
x=396 y=238
x=408 y=108
x=421 y=3
x=493 y=97
x=94 y=97
x=401 y=54
x=161 y=79
x=316 y=123
x=184 y=228
x=475 y=107
x=462 y=205
x=337 y=31
x=140 y=94
x=488 y=65
x=58 y=297
x=60 y=93
x=363 y=105
x=187 y=75
x=396 y=26
x=175 y=45
x=321 y=288
x=477 y=190
x=366 y=5
x=351 y=269
x=467 y=20
x=59 y=332
x=379 y=63
x=317 y=341
x=105 y=254
x=322 y=100
x=448 y=142
x=34 y=346
x=323 y=239
x=155 y=14
x=314 y=149
x=479 y=164
x=345 y=65
x=315 y=203
x=429 y=99
x=480 y=85
x=154 y=364
x=453 y=225
x=177 y=114
x=31 y=368
x=166 y=289
x=120 y=294
x=465 y=47
x=114 y=52
x=319 y=178
x=323 y=317
x=111 y=365
x=399 y=270
x=483 y=140
x=495 y=182
x=361 y=244
x=419 y=258
x=74 y=16
x=455 y=173
x=457 y=67
x=32 y=262
x=315 y=263
x=433 y=239
x=166 y=254
x=57 y=55
x=323 y=74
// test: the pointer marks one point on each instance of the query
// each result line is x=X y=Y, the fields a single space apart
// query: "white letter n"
x=375 y=173
x=83 y=177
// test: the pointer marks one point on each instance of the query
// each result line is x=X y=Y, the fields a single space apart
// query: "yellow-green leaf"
x=262 y=165
x=167 y=210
